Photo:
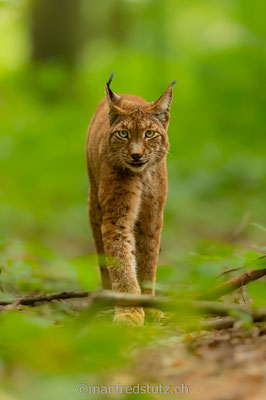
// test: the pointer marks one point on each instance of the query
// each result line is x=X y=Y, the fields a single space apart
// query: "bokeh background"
x=55 y=57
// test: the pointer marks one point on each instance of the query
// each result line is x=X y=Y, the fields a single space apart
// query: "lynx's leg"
x=148 y=234
x=120 y=205
x=95 y=216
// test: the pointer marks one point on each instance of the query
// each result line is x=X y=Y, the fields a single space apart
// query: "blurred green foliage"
x=215 y=214
x=215 y=50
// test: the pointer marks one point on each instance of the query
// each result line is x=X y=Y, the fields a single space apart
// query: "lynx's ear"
x=113 y=101
x=161 y=106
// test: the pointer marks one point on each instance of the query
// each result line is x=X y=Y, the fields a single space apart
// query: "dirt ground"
x=228 y=364
x=224 y=364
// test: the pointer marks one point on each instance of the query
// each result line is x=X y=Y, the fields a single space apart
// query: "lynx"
x=126 y=148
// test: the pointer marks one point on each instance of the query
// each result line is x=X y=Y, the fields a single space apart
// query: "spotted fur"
x=127 y=197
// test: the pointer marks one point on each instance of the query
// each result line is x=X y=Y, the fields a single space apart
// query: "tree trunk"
x=56 y=30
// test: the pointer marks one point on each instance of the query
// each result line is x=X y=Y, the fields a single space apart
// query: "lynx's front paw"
x=153 y=315
x=129 y=316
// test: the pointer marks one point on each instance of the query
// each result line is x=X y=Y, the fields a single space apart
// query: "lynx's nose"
x=136 y=156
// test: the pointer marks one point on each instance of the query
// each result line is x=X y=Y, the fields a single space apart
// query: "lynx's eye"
x=123 y=134
x=149 y=134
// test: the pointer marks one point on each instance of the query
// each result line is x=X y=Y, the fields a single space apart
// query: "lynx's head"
x=138 y=129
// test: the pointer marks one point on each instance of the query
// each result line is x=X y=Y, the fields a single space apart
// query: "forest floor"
x=227 y=364
x=215 y=364
x=224 y=364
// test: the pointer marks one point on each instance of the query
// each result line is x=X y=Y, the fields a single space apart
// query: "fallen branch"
x=108 y=297
x=219 y=323
x=233 y=284
x=145 y=300
x=98 y=299
x=37 y=298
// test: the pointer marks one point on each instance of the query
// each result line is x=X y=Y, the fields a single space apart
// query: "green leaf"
x=6 y=296
x=244 y=317
x=258 y=226
x=251 y=258
x=257 y=291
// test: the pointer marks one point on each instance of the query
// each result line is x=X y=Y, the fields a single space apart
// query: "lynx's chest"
x=154 y=182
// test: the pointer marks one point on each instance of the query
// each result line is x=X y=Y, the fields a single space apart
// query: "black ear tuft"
x=172 y=83
x=110 y=79
x=111 y=93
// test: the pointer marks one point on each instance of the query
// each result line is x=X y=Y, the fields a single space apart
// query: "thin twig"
x=227 y=271
x=233 y=284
